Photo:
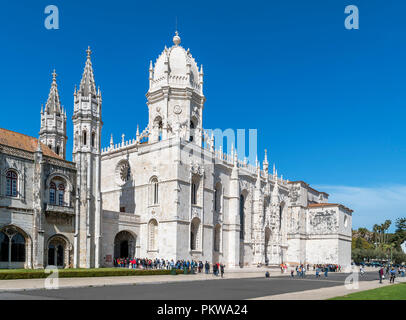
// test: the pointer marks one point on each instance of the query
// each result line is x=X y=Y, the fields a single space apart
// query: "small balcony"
x=53 y=208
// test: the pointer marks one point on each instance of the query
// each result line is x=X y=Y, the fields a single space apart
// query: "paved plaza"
x=236 y=286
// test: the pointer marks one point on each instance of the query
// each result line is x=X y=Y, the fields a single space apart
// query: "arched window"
x=84 y=137
x=217 y=198
x=93 y=139
x=280 y=217
x=57 y=150
x=217 y=238
x=195 y=190
x=152 y=235
x=194 y=193
x=11 y=183
x=154 y=191
x=242 y=214
x=52 y=193
x=18 y=248
x=4 y=247
x=194 y=234
x=61 y=194
x=192 y=129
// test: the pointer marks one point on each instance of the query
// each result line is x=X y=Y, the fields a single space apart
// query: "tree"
x=376 y=233
x=401 y=225
x=385 y=227
x=400 y=233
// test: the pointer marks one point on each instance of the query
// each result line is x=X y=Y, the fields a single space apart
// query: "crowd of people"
x=302 y=268
x=391 y=272
x=162 y=264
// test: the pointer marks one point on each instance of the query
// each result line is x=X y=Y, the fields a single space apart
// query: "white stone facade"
x=167 y=193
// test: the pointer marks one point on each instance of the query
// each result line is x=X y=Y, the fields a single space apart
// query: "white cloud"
x=371 y=205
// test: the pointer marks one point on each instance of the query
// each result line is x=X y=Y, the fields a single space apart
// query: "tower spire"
x=53 y=121
x=53 y=104
x=88 y=85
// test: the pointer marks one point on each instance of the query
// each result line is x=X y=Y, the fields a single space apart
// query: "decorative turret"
x=175 y=74
x=265 y=164
x=87 y=126
x=53 y=121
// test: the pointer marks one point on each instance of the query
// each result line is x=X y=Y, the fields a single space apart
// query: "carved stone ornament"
x=177 y=109
x=324 y=221
x=244 y=185
x=196 y=168
x=123 y=173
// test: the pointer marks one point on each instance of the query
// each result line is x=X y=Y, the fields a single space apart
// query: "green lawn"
x=392 y=292
x=6 y=274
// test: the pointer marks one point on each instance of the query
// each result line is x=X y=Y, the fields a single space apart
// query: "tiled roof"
x=23 y=142
x=322 y=205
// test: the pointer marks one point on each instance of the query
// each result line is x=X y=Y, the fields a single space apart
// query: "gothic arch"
x=195 y=189
x=125 y=244
x=153 y=235
x=153 y=190
x=195 y=234
x=67 y=188
x=20 y=182
x=218 y=198
x=59 y=251
x=62 y=176
x=22 y=243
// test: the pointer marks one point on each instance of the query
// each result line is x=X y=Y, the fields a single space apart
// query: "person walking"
x=222 y=266
x=392 y=275
x=380 y=274
x=326 y=272
x=207 y=267
x=318 y=272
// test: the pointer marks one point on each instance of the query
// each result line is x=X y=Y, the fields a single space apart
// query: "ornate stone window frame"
x=20 y=183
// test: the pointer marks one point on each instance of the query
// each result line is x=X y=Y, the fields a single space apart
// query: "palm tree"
x=375 y=229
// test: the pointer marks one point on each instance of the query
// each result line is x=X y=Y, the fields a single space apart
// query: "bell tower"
x=87 y=126
x=53 y=122
x=175 y=95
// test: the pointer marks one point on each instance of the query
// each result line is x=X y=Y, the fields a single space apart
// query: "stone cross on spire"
x=89 y=52
x=176 y=39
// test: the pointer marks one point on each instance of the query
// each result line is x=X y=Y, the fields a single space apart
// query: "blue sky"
x=328 y=103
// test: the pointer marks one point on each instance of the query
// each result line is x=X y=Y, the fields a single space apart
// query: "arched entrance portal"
x=58 y=252
x=124 y=245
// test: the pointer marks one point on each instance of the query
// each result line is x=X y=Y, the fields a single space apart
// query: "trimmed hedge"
x=80 y=273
